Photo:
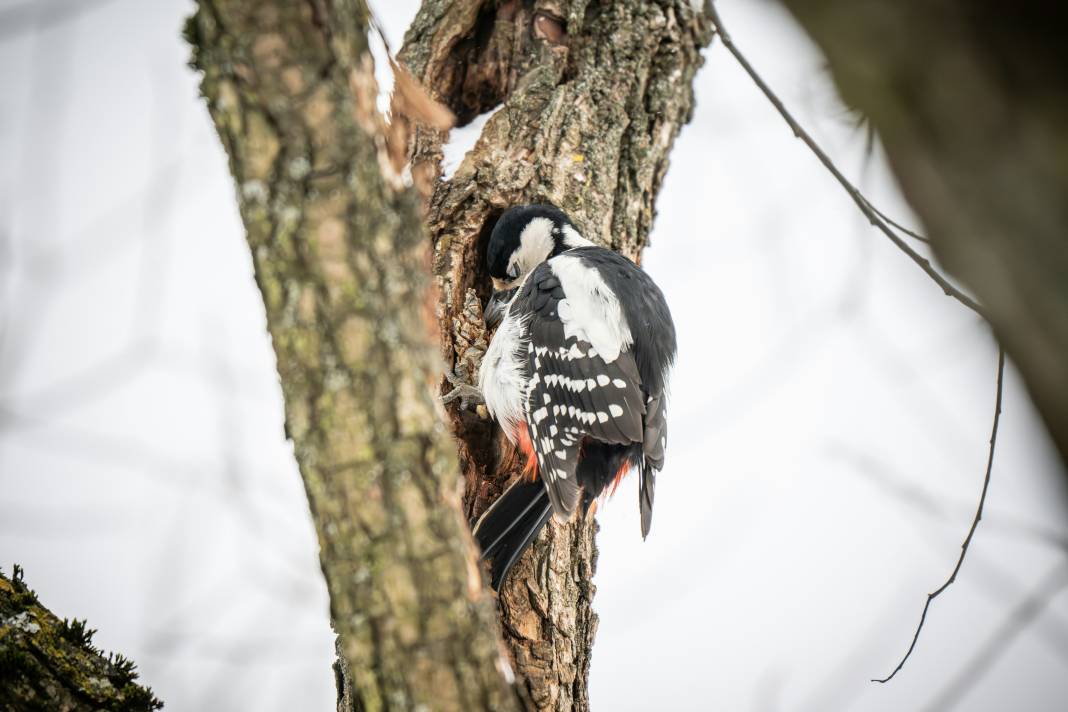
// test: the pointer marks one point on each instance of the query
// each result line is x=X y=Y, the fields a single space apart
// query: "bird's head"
x=523 y=238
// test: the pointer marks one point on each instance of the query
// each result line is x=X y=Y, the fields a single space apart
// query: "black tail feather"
x=646 y=493
x=506 y=529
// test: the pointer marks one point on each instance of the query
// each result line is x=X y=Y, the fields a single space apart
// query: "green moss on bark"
x=51 y=664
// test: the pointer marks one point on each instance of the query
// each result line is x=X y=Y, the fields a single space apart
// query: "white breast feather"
x=590 y=310
x=500 y=377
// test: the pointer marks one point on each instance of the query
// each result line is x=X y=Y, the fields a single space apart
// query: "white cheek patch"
x=572 y=238
x=591 y=311
x=535 y=246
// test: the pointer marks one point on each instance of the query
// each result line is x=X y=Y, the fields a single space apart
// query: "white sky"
x=829 y=419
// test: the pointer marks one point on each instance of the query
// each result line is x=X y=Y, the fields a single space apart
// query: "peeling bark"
x=970 y=99
x=589 y=97
x=51 y=664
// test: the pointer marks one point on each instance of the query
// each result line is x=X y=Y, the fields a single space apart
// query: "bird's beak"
x=497 y=307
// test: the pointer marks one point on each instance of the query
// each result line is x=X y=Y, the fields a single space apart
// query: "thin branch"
x=975 y=522
x=899 y=226
x=862 y=202
x=1023 y=615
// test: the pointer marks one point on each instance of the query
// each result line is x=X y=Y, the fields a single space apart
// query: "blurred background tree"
x=969 y=99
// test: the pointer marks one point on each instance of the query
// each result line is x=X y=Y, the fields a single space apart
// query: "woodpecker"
x=576 y=375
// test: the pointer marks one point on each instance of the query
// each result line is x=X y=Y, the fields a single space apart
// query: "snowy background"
x=830 y=416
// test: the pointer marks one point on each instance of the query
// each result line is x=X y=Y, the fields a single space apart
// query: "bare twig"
x=874 y=216
x=1023 y=615
x=975 y=522
x=901 y=228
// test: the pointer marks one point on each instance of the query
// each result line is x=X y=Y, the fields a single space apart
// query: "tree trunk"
x=592 y=95
x=970 y=99
x=49 y=664
x=343 y=266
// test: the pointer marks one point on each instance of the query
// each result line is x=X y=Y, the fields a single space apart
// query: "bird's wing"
x=616 y=286
x=573 y=391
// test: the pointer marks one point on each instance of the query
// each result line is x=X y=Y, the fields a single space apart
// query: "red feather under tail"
x=530 y=467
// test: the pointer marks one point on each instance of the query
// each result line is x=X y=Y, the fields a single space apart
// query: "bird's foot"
x=470 y=397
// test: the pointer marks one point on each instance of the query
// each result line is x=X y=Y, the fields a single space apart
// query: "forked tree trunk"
x=592 y=95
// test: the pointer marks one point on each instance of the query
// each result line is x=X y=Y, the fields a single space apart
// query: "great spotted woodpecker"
x=576 y=374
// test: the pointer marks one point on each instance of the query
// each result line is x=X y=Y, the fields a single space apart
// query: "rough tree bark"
x=51 y=664
x=591 y=96
x=970 y=99
x=343 y=266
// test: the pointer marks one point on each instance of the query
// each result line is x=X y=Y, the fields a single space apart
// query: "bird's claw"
x=469 y=396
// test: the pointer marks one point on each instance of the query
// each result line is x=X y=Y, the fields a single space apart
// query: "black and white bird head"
x=523 y=238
